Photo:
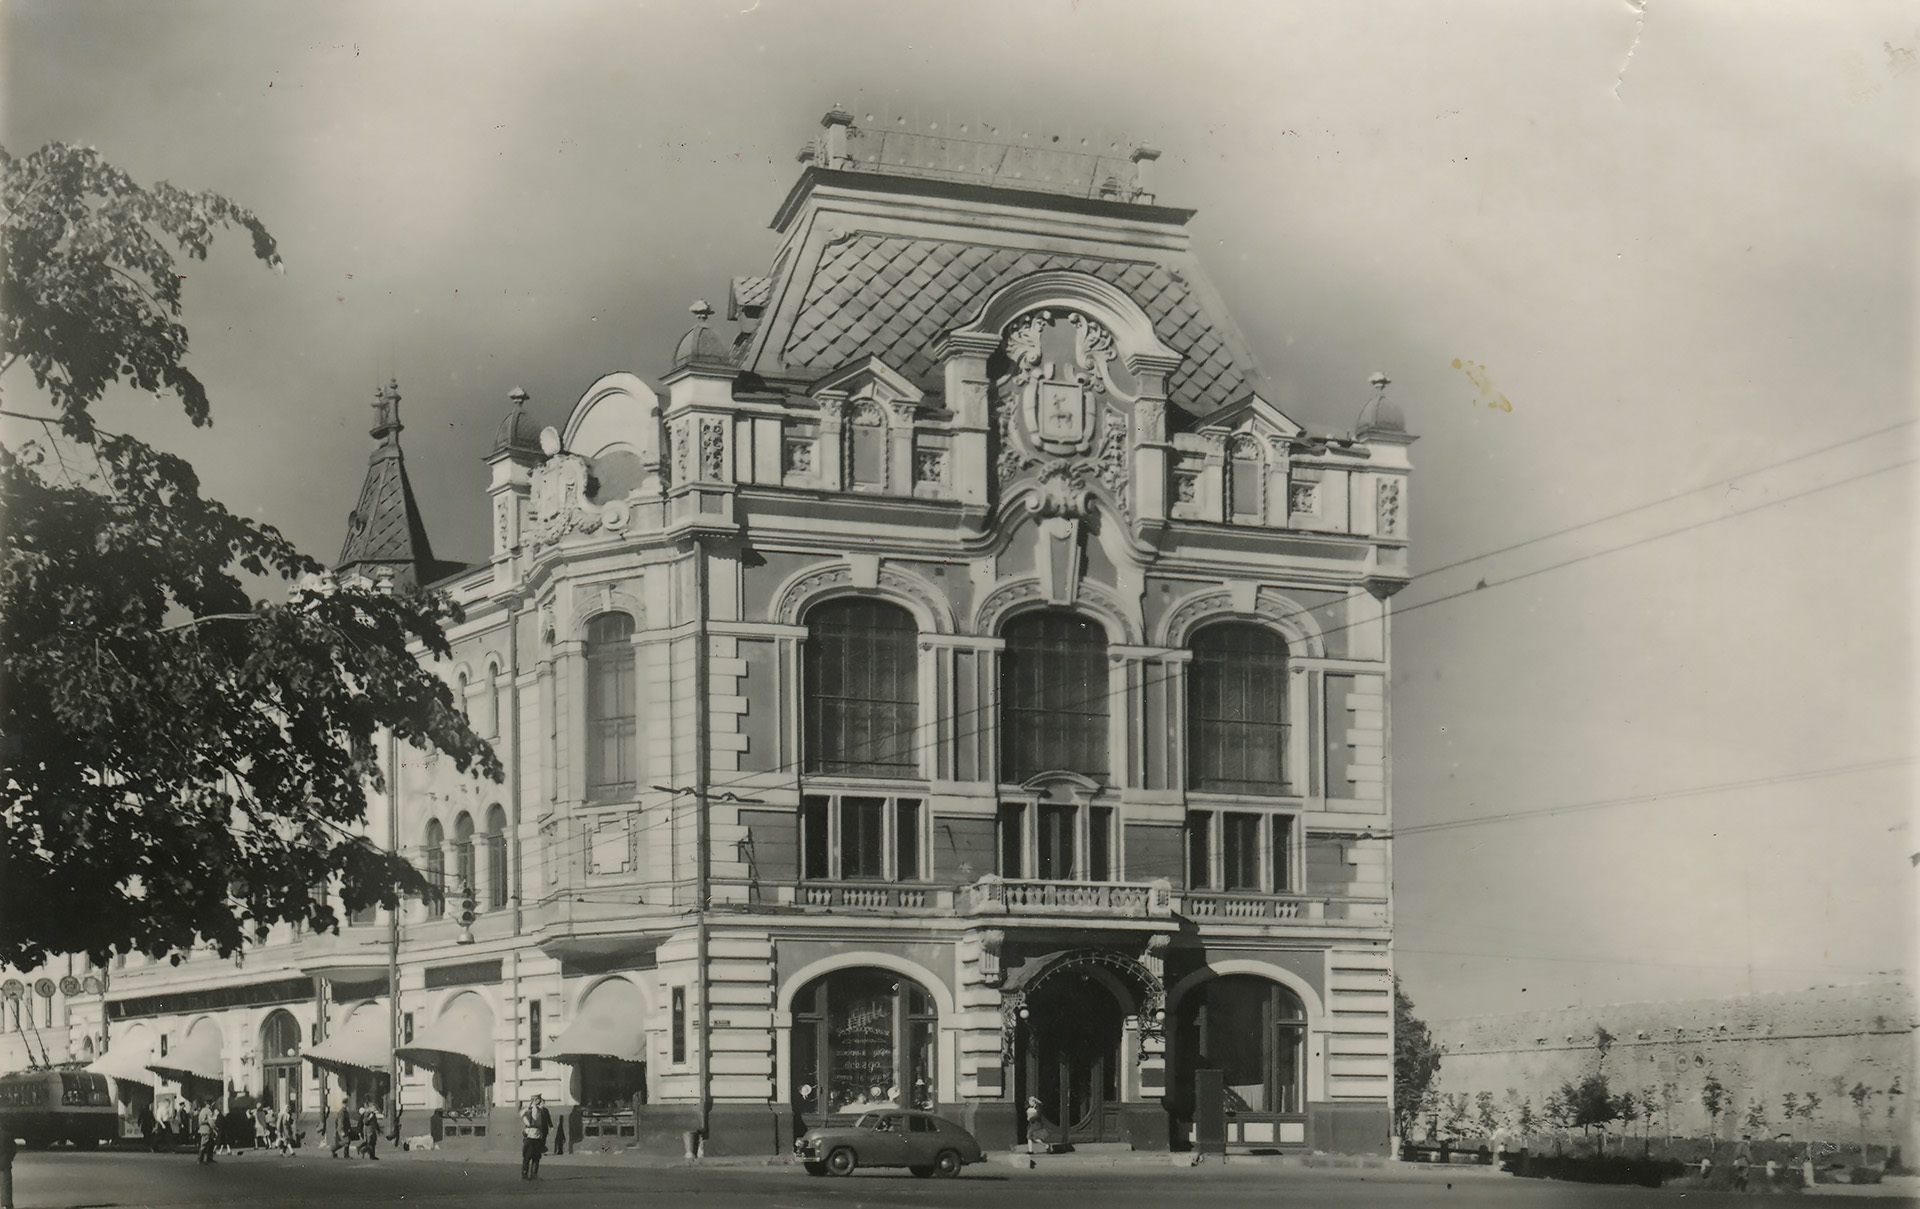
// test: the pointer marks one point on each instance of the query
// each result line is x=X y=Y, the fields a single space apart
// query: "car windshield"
x=869 y=1121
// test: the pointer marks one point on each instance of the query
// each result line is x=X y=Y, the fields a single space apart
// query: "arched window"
x=1250 y=1029
x=280 y=1061
x=460 y=695
x=862 y=688
x=463 y=864
x=612 y=748
x=1237 y=710
x=861 y=1038
x=1246 y=474
x=496 y=702
x=496 y=858
x=1053 y=696
x=436 y=870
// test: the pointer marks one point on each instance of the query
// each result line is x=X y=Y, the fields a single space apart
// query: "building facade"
x=950 y=683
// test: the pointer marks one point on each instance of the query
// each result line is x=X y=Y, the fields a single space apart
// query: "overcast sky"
x=1607 y=253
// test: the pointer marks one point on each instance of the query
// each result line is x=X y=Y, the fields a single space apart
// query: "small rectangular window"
x=1240 y=851
x=1013 y=839
x=679 y=1026
x=814 y=838
x=906 y=840
x=1199 y=851
x=1282 y=853
x=533 y=1032
x=406 y=1038
x=862 y=842
x=869 y=460
x=1099 y=843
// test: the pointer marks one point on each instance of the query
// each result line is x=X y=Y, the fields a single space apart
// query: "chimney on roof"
x=1143 y=158
x=837 y=122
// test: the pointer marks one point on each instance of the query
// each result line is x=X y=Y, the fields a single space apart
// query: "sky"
x=1649 y=262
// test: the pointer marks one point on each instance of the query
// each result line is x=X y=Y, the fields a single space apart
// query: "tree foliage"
x=183 y=763
x=1416 y=1060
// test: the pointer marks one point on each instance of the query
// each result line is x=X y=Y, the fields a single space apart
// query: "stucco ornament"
x=559 y=494
x=1058 y=409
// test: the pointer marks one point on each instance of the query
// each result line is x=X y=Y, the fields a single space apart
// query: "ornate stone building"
x=951 y=683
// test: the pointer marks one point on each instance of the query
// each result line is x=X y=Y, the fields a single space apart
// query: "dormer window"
x=867 y=447
x=1246 y=475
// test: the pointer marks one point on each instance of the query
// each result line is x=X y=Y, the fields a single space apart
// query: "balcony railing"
x=1119 y=900
x=870 y=895
x=1220 y=908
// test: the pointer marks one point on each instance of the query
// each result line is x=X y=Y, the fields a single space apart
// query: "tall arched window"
x=436 y=871
x=612 y=747
x=496 y=858
x=496 y=702
x=463 y=863
x=460 y=695
x=862 y=687
x=863 y=1037
x=866 y=447
x=1251 y=1031
x=1237 y=710
x=1053 y=696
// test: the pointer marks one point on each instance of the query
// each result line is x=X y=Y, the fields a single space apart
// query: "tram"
x=41 y=1107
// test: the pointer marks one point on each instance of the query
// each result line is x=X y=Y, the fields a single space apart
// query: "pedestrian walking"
x=283 y=1128
x=535 y=1124
x=209 y=1123
x=1033 y=1126
x=369 y=1131
x=1742 y=1160
x=393 y=1121
x=342 y=1133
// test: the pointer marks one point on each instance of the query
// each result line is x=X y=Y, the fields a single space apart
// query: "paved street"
x=126 y=1181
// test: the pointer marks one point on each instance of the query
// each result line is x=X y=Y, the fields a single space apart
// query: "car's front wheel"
x=947 y=1164
x=920 y=1173
x=815 y=1168
x=841 y=1162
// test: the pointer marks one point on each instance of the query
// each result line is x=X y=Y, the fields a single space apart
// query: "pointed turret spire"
x=386 y=538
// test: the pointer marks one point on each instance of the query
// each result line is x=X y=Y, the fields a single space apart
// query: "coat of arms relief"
x=1060 y=411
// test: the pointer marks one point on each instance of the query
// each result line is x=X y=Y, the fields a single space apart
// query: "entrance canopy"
x=360 y=1045
x=611 y=1024
x=464 y=1030
x=126 y=1063
x=196 y=1057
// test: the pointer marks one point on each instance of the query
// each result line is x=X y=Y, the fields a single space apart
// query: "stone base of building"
x=1349 y=1128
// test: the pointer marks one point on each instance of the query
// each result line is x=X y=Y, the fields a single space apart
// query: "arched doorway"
x=1253 y=1031
x=1072 y=1056
x=607 y=1047
x=280 y=1061
x=863 y=1037
x=459 y=1048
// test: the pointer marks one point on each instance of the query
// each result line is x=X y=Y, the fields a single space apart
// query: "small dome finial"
x=1380 y=382
x=701 y=310
x=519 y=396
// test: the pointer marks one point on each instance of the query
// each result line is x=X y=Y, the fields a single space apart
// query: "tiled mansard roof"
x=893 y=297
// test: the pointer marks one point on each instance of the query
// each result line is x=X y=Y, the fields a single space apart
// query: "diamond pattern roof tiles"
x=892 y=296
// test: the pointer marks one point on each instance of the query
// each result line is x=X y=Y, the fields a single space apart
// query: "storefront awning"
x=361 y=1045
x=466 y=1031
x=196 y=1057
x=128 y=1065
x=607 y=1028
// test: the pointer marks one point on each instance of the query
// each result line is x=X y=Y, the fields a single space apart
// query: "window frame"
x=1026 y=814
x=1200 y=696
x=499 y=868
x=611 y=656
x=890 y=842
x=899 y=638
x=1022 y=658
x=436 y=870
x=1277 y=856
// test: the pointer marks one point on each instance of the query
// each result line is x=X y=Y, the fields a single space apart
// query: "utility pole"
x=702 y=782
x=393 y=934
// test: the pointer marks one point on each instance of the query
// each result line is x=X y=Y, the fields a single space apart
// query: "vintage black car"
x=924 y=1144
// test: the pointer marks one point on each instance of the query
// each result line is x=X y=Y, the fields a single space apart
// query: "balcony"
x=871 y=896
x=1110 y=900
x=1208 y=907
